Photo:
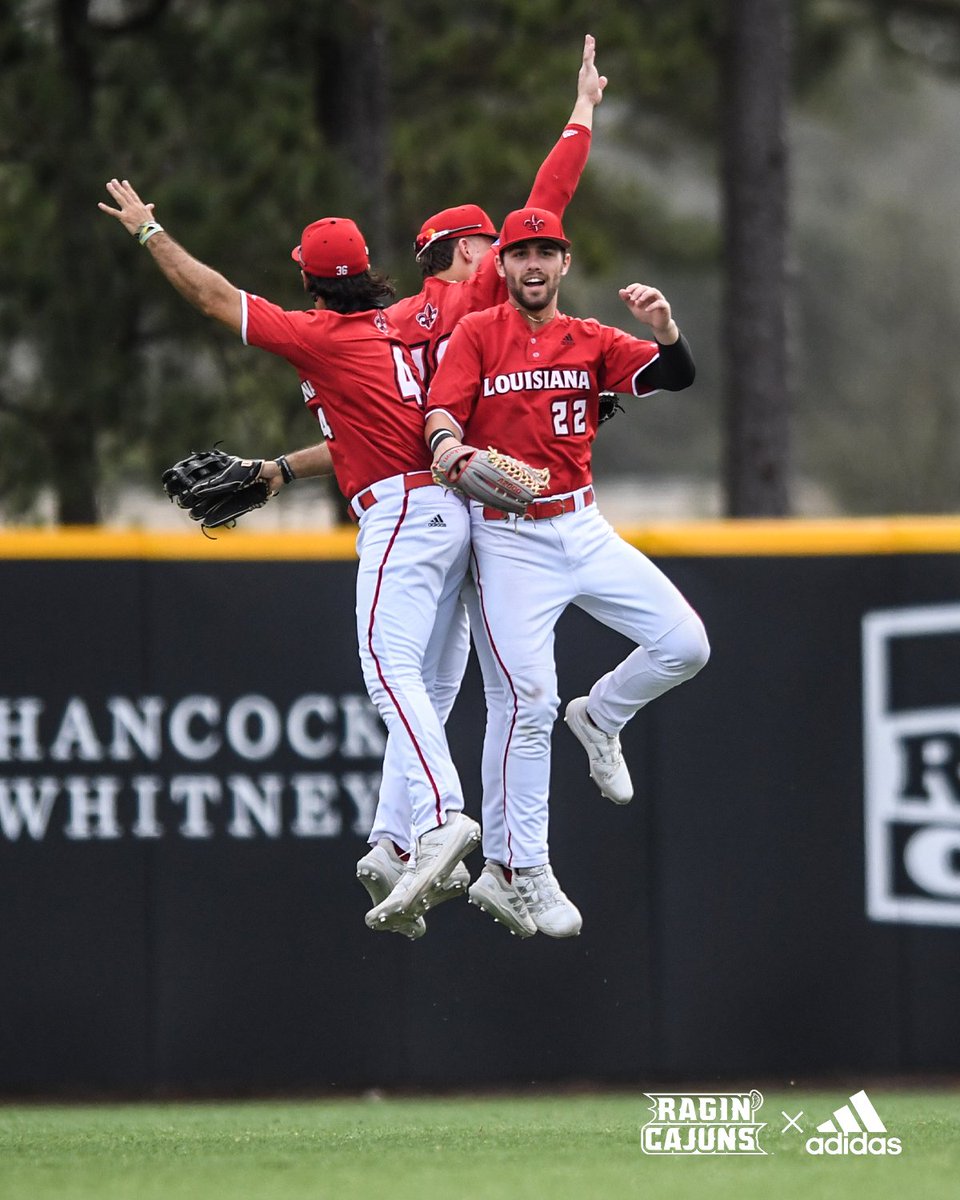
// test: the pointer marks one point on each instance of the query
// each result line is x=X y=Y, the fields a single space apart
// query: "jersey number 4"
x=309 y=393
x=407 y=383
x=569 y=416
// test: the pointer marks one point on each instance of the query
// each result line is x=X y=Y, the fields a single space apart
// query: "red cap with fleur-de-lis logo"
x=523 y=224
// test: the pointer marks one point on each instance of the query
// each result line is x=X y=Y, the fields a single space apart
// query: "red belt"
x=541 y=510
x=366 y=499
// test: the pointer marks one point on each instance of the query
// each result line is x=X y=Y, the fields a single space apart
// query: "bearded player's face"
x=533 y=271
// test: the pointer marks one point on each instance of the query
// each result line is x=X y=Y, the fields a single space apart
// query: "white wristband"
x=146 y=231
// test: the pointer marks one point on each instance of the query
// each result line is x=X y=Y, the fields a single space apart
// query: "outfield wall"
x=188 y=766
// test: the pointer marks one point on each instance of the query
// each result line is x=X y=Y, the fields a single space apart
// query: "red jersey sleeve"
x=560 y=173
x=625 y=359
x=273 y=328
x=457 y=382
x=552 y=189
x=485 y=287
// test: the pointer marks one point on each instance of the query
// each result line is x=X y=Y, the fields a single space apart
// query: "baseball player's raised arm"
x=590 y=85
x=651 y=307
x=204 y=288
x=633 y=365
x=671 y=371
x=560 y=173
x=641 y=367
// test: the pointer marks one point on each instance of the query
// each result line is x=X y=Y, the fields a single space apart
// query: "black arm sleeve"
x=672 y=371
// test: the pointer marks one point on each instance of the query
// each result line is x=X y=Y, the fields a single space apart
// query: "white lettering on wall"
x=301 y=740
x=20 y=729
x=254 y=727
x=363 y=733
x=363 y=790
x=313 y=799
x=195 y=711
x=195 y=792
x=92 y=807
x=196 y=802
x=26 y=804
x=147 y=789
x=135 y=725
x=76 y=737
x=253 y=805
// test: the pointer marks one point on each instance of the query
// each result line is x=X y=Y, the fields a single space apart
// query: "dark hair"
x=438 y=257
x=352 y=293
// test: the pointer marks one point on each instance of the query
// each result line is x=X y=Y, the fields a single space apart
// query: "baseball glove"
x=490 y=477
x=609 y=407
x=216 y=488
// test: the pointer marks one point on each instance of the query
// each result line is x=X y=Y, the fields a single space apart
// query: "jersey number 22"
x=569 y=416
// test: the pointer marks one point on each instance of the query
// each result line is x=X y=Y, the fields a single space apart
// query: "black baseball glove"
x=216 y=488
x=609 y=407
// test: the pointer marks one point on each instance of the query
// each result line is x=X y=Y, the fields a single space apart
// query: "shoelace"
x=430 y=844
x=427 y=851
x=406 y=876
x=608 y=747
x=399 y=890
x=544 y=891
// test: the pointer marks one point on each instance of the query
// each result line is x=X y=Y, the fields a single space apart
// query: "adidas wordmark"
x=855 y=1128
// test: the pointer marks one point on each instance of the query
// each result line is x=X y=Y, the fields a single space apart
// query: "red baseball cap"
x=462 y=221
x=332 y=247
x=523 y=224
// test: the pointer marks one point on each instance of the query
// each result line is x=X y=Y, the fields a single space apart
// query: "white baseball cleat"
x=380 y=870
x=455 y=884
x=494 y=895
x=550 y=910
x=439 y=851
x=607 y=768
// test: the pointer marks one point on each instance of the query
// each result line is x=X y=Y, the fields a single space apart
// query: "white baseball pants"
x=413 y=547
x=526 y=573
x=443 y=670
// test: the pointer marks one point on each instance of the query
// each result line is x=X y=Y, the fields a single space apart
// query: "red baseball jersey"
x=534 y=393
x=426 y=321
x=357 y=378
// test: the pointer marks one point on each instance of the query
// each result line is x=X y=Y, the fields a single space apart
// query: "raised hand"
x=652 y=308
x=590 y=84
x=132 y=212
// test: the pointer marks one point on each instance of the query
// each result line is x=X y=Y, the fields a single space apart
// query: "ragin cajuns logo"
x=427 y=316
x=381 y=322
x=535 y=223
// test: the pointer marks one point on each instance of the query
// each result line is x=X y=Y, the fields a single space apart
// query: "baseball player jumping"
x=358 y=378
x=525 y=377
x=453 y=249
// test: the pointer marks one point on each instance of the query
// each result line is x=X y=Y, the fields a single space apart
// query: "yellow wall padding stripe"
x=873 y=535
x=83 y=542
x=868 y=535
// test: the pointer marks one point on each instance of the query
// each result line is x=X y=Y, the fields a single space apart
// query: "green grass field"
x=539 y=1148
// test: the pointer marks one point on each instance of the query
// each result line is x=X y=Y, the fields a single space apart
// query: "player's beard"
x=533 y=304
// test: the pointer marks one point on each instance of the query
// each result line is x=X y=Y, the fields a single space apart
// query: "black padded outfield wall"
x=184 y=793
